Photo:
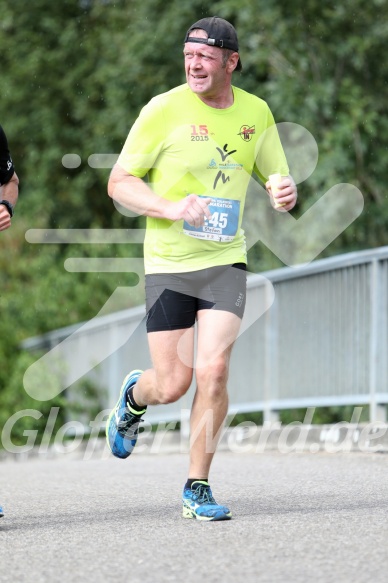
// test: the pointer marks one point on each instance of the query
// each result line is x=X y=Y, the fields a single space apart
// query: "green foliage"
x=319 y=65
x=28 y=415
x=325 y=415
x=318 y=416
x=74 y=76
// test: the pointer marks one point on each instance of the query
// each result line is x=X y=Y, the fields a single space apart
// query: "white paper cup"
x=274 y=180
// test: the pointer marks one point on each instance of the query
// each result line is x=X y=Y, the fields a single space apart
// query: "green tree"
x=319 y=65
x=74 y=76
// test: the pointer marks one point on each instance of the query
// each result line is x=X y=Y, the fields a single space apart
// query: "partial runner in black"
x=8 y=192
x=9 y=184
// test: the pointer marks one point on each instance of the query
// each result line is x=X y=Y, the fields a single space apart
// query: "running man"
x=198 y=145
x=9 y=189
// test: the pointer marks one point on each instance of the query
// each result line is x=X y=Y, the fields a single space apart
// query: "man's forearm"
x=10 y=191
x=133 y=193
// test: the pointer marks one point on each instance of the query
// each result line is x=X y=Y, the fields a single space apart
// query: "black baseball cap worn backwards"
x=220 y=32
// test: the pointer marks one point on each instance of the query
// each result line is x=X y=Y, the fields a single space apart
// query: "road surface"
x=297 y=518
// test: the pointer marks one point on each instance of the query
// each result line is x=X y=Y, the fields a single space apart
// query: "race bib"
x=223 y=223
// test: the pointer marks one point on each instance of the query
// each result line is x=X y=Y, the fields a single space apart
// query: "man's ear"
x=232 y=62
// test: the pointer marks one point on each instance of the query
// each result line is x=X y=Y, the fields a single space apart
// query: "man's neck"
x=222 y=101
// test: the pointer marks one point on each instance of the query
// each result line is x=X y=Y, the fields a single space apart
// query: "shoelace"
x=203 y=495
x=129 y=421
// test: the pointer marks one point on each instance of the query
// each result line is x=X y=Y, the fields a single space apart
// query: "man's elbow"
x=116 y=176
x=110 y=187
x=112 y=182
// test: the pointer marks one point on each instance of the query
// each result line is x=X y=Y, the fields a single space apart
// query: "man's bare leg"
x=217 y=331
x=171 y=375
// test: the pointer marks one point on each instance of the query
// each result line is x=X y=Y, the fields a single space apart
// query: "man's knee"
x=172 y=389
x=213 y=377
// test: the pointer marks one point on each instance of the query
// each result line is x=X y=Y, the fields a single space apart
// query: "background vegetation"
x=74 y=76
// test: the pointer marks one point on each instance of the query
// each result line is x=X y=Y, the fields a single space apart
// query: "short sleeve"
x=145 y=141
x=6 y=165
x=270 y=156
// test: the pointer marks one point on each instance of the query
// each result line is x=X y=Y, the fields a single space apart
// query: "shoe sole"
x=111 y=414
x=189 y=513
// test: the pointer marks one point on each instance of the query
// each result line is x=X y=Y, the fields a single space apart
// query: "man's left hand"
x=286 y=195
x=5 y=219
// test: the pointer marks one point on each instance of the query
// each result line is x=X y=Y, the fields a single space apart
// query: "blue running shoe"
x=198 y=503
x=1 y=512
x=122 y=427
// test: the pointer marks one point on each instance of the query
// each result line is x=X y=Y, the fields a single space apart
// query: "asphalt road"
x=297 y=518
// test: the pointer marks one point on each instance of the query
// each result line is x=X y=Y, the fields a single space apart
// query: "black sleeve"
x=6 y=165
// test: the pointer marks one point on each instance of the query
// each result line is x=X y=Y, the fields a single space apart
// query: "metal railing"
x=323 y=342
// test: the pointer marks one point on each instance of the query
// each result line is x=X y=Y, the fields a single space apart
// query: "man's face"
x=205 y=72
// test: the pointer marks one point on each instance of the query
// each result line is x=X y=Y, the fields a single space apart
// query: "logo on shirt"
x=246 y=132
x=224 y=153
x=199 y=133
x=224 y=165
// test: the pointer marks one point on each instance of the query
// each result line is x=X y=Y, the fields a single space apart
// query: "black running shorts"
x=173 y=299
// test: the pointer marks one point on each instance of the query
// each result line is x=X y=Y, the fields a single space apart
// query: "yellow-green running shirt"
x=186 y=147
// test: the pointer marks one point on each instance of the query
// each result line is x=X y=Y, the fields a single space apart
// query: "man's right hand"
x=192 y=209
